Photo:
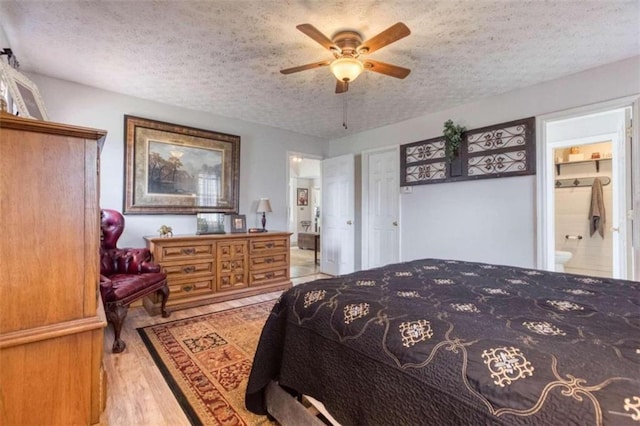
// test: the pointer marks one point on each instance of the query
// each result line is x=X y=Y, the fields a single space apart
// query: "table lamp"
x=264 y=206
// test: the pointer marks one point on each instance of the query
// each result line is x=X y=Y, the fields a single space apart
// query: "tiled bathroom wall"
x=592 y=255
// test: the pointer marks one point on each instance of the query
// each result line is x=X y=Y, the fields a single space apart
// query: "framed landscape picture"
x=173 y=169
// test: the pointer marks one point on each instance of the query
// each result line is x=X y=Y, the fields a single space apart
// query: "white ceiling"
x=224 y=56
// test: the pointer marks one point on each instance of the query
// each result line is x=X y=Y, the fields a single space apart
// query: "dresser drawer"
x=181 y=290
x=231 y=265
x=167 y=253
x=231 y=280
x=185 y=289
x=257 y=278
x=271 y=261
x=265 y=245
x=187 y=270
x=232 y=249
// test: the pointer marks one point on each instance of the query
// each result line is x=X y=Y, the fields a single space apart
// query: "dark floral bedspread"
x=440 y=342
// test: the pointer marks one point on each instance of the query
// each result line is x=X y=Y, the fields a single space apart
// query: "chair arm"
x=149 y=267
x=132 y=261
x=105 y=282
x=106 y=286
x=142 y=261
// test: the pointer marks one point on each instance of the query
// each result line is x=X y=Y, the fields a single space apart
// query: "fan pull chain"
x=344 y=111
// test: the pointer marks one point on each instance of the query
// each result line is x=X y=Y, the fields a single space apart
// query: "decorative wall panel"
x=501 y=150
x=497 y=163
x=425 y=151
x=503 y=137
x=426 y=172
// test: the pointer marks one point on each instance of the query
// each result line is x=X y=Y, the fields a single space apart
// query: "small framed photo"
x=238 y=223
x=303 y=196
x=25 y=99
x=210 y=223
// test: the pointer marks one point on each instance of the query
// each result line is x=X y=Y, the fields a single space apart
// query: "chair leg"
x=116 y=313
x=164 y=294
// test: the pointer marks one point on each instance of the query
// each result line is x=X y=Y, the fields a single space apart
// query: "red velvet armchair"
x=126 y=275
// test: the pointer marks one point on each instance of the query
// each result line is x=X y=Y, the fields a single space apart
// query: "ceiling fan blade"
x=388 y=36
x=315 y=34
x=341 y=86
x=305 y=67
x=386 y=69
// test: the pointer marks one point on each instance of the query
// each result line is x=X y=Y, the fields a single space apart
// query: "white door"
x=337 y=241
x=380 y=208
x=634 y=133
x=621 y=224
x=632 y=209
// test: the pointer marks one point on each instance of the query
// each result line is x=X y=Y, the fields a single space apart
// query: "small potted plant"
x=452 y=140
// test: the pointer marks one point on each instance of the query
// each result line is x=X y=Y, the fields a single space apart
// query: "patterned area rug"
x=206 y=361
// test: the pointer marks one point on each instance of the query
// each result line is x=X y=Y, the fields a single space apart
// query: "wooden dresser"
x=203 y=269
x=51 y=316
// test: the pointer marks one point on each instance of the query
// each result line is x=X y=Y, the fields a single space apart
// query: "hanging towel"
x=597 y=215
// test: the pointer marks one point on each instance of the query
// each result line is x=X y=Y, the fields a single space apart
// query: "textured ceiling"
x=224 y=57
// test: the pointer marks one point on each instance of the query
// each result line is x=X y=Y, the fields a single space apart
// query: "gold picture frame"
x=174 y=169
x=23 y=97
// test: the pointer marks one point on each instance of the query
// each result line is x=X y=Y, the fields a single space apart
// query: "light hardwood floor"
x=302 y=262
x=136 y=392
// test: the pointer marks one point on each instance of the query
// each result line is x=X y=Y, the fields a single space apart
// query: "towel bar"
x=573 y=237
x=586 y=181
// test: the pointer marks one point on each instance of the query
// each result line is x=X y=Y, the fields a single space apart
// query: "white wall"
x=490 y=220
x=263 y=152
x=4 y=43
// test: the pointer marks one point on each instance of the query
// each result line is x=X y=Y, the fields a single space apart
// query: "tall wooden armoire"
x=51 y=316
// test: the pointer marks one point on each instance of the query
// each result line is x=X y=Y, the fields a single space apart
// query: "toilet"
x=562 y=257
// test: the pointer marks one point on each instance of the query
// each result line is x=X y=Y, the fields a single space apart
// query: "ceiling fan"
x=347 y=48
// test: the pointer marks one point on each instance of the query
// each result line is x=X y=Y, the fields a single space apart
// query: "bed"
x=447 y=342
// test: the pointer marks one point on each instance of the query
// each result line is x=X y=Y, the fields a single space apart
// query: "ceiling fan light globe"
x=346 y=69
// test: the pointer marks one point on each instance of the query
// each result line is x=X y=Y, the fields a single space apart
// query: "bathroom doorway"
x=584 y=188
x=304 y=213
x=583 y=229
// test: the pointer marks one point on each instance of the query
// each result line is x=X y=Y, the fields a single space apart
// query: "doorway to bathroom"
x=585 y=191
x=304 y=194
x=583 y=197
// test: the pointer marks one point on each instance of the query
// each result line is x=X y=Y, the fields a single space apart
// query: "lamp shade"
x=264 y=205
x=346 y=69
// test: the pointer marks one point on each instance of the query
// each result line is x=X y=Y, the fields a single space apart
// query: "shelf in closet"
x=591 y=160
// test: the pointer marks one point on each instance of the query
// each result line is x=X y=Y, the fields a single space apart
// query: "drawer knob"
x=269 y=245
x=187 y=288
x=189 y=269
x=189 y=250
x=269 y=260
x=269 y=275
